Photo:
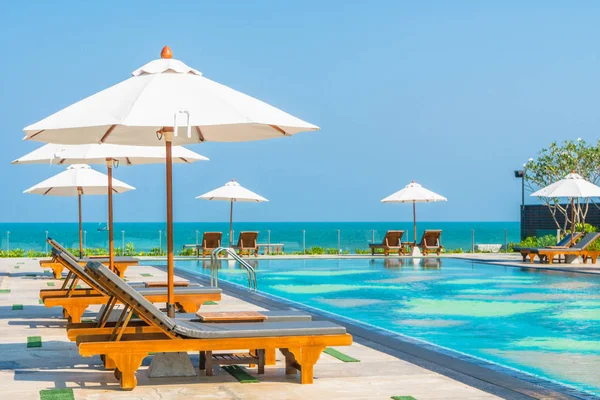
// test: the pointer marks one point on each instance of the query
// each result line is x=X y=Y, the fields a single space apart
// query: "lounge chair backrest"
x=78 y=270
x=247 y=239
x=393 y=238
x=212 y=240
x=127 y=295
x=566 y=241
x=586 y=241
x=431 y=237
x=60 y=248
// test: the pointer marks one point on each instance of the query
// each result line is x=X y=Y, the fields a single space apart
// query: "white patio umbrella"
x=414 y=193
x=108 y=154
x=144 y=109
x=78 y=180
x=571 y=186
x=232 y=192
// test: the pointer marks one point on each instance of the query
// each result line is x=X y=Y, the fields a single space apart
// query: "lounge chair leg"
x=531 y=258
x=270 y=357
x=307 y=358
x=189 y=306
x=208 y=363
x=74 y=312
x=202 y=364
x=57 y=270
x=126 y=364
x=121 y=270
x=109 y=364
x=260 y=353
x=550 y=258
x=291 y=365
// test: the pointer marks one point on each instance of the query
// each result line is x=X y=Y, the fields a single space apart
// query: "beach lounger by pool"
x=75 y=301
x=300 y=342
x=531 y=252
x=121 y=263
x=578 y=250
x=210 y=242
x=391 y=242
x=430 y=242
x=247 y=243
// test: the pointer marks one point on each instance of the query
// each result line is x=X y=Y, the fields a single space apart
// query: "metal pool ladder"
x=214 y=267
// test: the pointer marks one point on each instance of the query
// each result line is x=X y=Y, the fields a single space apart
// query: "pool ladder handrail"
x=214 y=267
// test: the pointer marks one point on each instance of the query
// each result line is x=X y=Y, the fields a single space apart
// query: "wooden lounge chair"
x=121 y=263
x=247 y=243
x=300 y=342
x=578 y=250
x=210 y=242
x=430 y=242
x=531 y=252
x=391 y=242
x=75 y=301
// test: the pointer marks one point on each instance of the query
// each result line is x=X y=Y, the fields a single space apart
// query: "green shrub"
x=187 y=252
x=542 y=241
x=130 y=249
x=454 y=251
x=155 y=251
x=362 y=251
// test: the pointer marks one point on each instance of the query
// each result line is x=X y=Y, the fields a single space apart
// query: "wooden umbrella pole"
x=168 y=134
x=230 y=223
x=111 y=244
x=572 y=219
x=415 y=222
x=79 y=193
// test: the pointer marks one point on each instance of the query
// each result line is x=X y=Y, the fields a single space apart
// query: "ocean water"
x=546 y=324
x=352 y=235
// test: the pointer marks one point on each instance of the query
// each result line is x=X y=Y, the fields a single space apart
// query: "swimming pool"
x=543 y=323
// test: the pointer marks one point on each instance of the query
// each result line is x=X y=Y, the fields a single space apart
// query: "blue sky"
x=454 y=95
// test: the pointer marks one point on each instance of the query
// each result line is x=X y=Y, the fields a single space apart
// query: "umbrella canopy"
x=232 y=192
x=131 y=112
x=573 y=185
x=414 y=193
x=78 y=180
x=98 y=153
x=108 y=154
x=162 y=96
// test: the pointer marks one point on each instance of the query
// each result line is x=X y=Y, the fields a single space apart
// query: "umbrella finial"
x=166 y=52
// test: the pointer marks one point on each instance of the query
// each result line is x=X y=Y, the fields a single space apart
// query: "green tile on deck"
x=57 y=394
x=34 y=341
x=17 y=307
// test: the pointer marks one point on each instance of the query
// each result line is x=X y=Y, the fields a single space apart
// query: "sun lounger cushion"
x=120 y=259
x=179 y=290
x=200 y=330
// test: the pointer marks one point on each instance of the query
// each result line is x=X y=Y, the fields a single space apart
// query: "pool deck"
x=57 y=364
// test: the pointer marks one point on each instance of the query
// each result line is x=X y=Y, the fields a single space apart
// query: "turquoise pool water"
x=543 y=323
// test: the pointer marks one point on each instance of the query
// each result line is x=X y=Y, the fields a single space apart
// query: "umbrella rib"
x=35 y=134
x=108 y=132
x=200 y=135
x=128 y=160
x=279 y=130
x=46 y=192
x=184 y=160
